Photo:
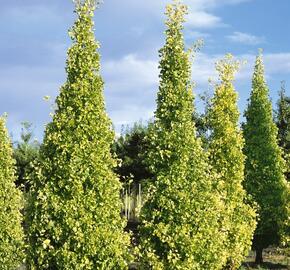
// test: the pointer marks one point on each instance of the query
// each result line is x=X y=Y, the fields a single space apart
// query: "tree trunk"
x=259 y=256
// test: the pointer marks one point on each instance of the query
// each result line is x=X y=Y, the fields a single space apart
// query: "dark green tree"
x=131 y=148
x=11 y=203
x=179 y=220
x=201 y=124
x=264 y=178
x=25 y=152
x=226 y=156
x=283 y=124
x=73 y=214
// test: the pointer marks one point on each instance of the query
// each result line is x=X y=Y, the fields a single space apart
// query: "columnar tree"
x=179 y=221
x=74 y=210
x=264 y=178
x=283 y=124
x=11 y=203
x=226 y=156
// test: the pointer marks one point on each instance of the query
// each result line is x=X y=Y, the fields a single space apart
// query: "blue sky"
x=34 y=42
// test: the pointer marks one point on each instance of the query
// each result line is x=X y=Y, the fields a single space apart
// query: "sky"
x=34 y=42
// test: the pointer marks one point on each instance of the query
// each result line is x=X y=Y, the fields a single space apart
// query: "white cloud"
x=277 y=63
x=131 y=70
x=202 y=19
x=131 y=85
x=246 y=38
x=201 y=12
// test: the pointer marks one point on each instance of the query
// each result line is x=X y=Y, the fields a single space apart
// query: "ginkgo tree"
x=226 y=156
x=179 y=220
x=11 y=203
x=73 y=214
x=264 y=178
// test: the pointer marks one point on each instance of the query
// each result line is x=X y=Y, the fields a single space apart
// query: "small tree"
x=264 y=178
x=25 y=152
x=226 y=156
x=179 y=228
x=11 y=233
x=283 y=124
x=74 y=219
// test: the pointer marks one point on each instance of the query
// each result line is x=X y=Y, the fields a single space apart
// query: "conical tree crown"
x=174 y=127
x=74 y=212
x=11 y=232
x=264 y=178
x=179 y=227
x=227 y=158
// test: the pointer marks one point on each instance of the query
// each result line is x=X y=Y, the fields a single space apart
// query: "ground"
x=274 y=258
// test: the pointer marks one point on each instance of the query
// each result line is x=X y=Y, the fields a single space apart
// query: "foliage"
x=179 y=220
x=25 y=152
x=74 y=208
x=200 y=120
x=283 y=124
x=130 y=148
x=11 y=233
x=264 y=178
x=226 y=156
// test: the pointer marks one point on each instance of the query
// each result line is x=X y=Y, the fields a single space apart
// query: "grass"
x=274 y=258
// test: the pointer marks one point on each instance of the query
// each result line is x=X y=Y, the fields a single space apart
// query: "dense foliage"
x=179 y=228
x=25 y=152
x=131 y=148
x=283 y=124
x=264 y=178
x=11 y=233
x=74 y=209
x=226 y=156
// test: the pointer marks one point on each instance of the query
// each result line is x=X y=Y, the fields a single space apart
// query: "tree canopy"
x=226 y=157
x=74 y=219
x=179 y=220
x=264 y=178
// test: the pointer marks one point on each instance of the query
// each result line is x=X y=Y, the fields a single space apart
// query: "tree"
x=226 y=156
x=264 y=178
x=283 y=124
x=201 y=126
x=130 y=148
x=74 y=219
x=11 y=203
x=179 y=220
x=25 y=152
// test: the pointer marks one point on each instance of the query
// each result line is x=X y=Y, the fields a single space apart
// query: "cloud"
x=277 y=63
x=131 y=85
x=201 y=12
x=202 y=19
x=132 y=70
x=246 y=38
